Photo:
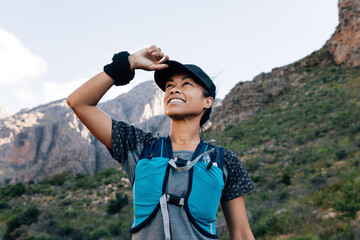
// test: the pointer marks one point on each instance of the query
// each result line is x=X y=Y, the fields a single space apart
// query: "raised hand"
x=148 y=59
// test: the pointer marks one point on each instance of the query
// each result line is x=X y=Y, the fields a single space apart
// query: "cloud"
x=17 y=63
x=58 y=90
x=24 y=94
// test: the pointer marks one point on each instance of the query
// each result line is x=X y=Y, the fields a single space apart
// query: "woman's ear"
x=208 y=102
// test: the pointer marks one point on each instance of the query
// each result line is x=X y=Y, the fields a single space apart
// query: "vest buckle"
x=173 y=199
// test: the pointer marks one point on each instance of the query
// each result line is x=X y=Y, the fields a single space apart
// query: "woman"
x=177 y=181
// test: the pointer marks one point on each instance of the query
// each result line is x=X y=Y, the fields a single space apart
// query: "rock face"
x=49 y=139
x=345 y=42
x=248 y=98
x=142 y=106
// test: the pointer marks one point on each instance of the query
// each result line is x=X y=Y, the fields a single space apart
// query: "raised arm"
x=83 y=101
x=236 y=219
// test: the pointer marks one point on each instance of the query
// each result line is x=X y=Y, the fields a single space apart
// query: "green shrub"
x=286 y=179
x=71 y=213
x=25 y=218
x=252 y=164
x=348 y=200
x=115 y=205
x=257 y=178
x=263 y=226
x=317 y=181
x=41 y=236
x=283 y=195
x=115 y=228
x=99 y=233
x=12 y=190
x=308 y=236
x=59 y=179
x=66 y=229
x=4 y=205
x=30 y=215
x=13 y=223
x=341 y=154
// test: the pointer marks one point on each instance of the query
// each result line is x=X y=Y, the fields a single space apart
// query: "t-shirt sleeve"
x=126 y=138
x=238 y=181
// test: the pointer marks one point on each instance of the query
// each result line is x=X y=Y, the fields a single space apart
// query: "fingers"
x=155 y=53
x=160 y=66
x=166 y=58
x=157 y=58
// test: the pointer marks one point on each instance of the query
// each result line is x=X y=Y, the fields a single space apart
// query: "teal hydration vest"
x=204 y=189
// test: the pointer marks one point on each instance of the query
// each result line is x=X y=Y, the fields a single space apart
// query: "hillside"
x=297 y=130
x=303 y=153
x=67 y=206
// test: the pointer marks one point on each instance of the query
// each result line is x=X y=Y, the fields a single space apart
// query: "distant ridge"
x=49 y=138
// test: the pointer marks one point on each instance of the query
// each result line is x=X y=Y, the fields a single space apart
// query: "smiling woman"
x=178 y=181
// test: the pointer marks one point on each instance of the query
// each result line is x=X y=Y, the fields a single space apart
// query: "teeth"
x=176 y=100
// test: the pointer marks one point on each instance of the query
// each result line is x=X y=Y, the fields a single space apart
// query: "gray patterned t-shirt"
x=128 y=143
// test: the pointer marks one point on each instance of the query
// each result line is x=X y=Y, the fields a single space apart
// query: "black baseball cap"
x=162 y=76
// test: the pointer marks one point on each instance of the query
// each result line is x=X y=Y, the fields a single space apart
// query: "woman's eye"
x=187 y=83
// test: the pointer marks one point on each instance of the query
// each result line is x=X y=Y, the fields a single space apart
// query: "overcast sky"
x=48 y=48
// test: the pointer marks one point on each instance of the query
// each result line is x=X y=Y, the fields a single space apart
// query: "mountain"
x=297 y=131
x=49 y=139
x=247 y=99
x=4 y=112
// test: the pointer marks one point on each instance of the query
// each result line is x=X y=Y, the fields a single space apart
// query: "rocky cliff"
x=49 y=139
x=345 y=42
x=248 y=98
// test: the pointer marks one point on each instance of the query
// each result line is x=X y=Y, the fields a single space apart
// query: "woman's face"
x=184 y=98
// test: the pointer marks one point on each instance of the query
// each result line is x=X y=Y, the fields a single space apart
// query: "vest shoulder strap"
x=218 y=155
x=152 y=148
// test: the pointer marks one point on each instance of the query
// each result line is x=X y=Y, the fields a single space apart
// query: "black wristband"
x=119 y=69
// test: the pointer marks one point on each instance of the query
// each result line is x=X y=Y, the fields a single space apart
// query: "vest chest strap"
x=190 y=164
x=173 y=199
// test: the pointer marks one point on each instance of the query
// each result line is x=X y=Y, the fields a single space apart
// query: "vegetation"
x=67 y=206
x=303 y=153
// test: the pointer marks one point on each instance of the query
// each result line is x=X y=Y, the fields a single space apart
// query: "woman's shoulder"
x=231 y=159
x=227 y=153
x=129 y=135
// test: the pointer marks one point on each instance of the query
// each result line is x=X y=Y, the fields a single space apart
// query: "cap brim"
x=162 y=76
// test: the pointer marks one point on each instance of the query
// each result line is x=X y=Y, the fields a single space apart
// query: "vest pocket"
x=147 y=189
x=205 y=194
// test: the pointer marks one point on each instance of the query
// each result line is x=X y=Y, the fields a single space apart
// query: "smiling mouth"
x=176 y=100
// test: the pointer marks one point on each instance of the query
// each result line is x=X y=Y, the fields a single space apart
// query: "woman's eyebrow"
x=183 y=78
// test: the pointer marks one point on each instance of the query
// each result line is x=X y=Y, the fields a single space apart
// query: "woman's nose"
x=174 y=90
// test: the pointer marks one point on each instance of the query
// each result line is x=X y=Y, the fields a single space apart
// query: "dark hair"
x=205 y=117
